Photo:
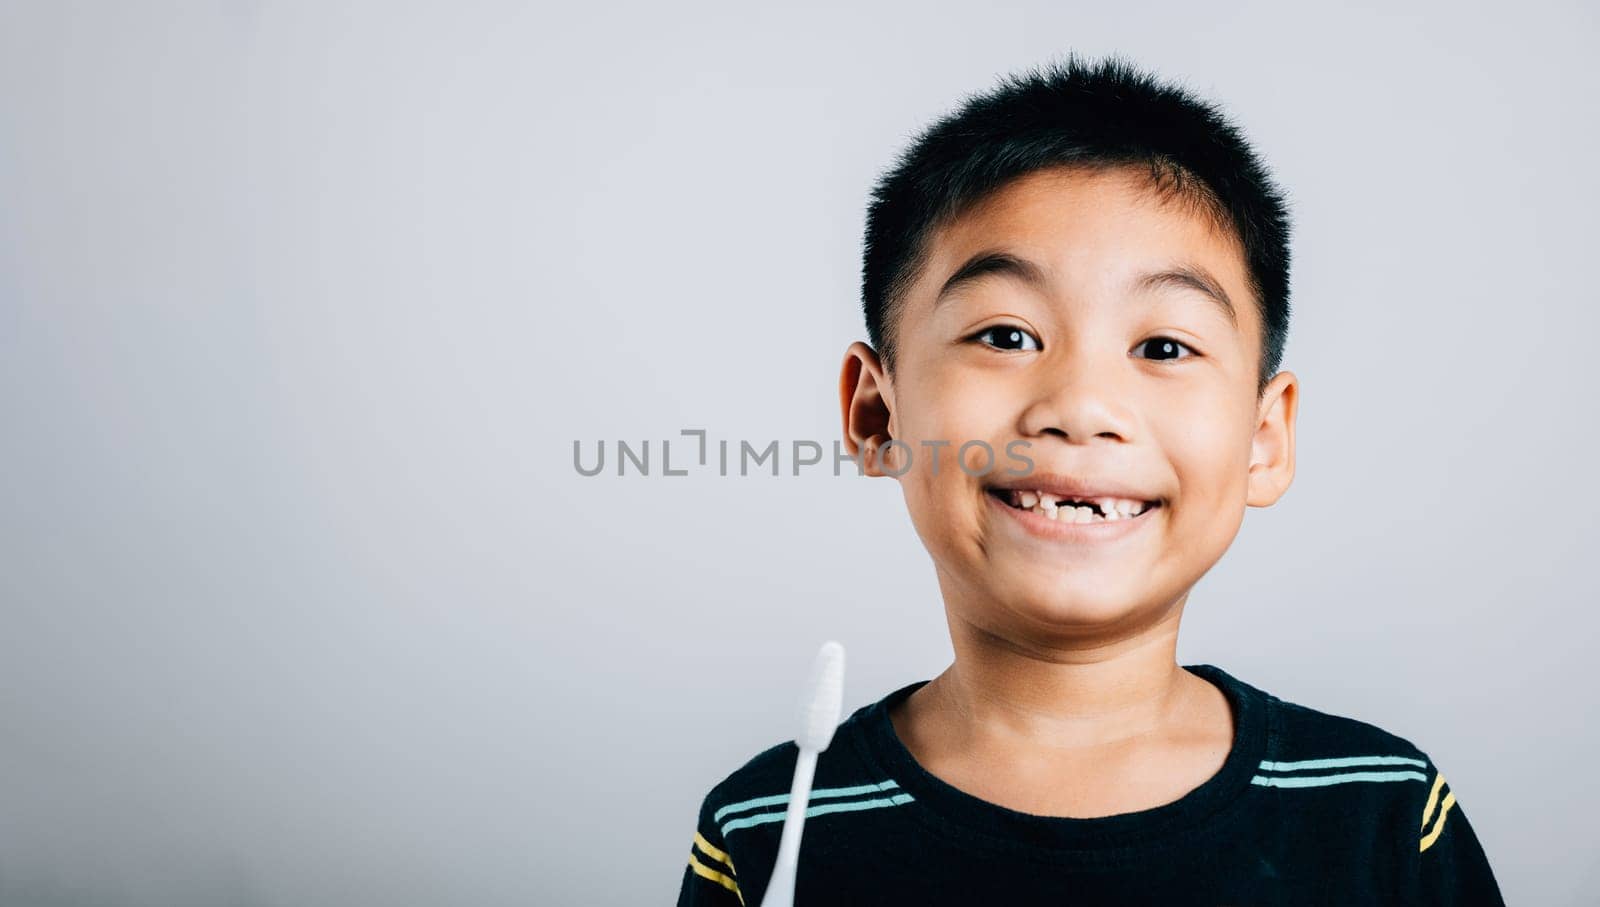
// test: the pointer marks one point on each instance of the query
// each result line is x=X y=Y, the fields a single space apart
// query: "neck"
x=1062 y=695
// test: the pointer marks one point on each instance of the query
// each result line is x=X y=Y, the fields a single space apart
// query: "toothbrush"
x=819 y=717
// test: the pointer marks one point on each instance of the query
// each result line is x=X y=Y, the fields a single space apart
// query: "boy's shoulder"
x=766 y=771
x=1296 y=729
x=1301 y=738
x=1320 y=759
x=768 y=775
x=752 y=798
x=1350 y=768
x=1301 y=746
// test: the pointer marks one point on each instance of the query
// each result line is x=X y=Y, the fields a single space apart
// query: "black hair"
x=1077 y=114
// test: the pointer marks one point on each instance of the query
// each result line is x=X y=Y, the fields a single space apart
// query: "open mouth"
x=1064 y=509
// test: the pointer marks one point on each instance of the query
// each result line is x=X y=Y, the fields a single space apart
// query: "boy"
x=1094 y=264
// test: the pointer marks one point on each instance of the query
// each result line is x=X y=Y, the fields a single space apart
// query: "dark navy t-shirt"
x=1308 y=808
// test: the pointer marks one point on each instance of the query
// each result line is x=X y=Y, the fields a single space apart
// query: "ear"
x=1272 y=448
x=866 y=403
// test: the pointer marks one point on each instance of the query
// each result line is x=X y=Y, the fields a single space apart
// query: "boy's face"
x=1078 y=360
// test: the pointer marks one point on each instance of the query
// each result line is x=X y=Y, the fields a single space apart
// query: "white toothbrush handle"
x=780 y=887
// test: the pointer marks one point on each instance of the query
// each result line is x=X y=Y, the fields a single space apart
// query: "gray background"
x=302 y=306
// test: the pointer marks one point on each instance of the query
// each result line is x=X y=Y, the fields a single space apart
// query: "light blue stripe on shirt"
x=1345 y=762
x=821 y=793
x=1325 y=780
x=822 y=809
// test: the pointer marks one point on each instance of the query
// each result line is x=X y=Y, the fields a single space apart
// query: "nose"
x=1077 y=398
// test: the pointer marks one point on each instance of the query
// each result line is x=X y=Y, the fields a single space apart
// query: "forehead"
x=1090 y=228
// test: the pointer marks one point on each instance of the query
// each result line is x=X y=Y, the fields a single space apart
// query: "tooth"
x=1047 y=501
x=1028 y=499
x=1082 y=514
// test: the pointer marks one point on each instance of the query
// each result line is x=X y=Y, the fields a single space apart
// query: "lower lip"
x=1045 y=527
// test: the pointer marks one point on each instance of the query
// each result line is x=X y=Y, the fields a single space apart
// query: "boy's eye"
x=1005 y=337
x=1166 y=349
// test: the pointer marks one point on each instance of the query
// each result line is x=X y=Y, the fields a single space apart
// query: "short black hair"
x=1075 y=113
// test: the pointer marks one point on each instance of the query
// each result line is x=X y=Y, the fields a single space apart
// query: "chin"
x=1069 y=608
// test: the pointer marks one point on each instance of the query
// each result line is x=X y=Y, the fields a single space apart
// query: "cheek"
x=958 y=411
x=1211 y=458
x=944 y=480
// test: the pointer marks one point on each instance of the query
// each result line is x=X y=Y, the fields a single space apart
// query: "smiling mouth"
x=1064 y=509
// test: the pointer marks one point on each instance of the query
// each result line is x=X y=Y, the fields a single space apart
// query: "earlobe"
x=865 y=405
x=1272 y=448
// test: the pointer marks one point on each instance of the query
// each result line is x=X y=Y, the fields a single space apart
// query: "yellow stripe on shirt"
x=704 y=871
x=1433 y=798
x=1438 y=827
x=716 y=854
x=711 y=850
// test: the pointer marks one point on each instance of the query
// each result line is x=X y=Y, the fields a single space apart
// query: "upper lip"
x=1075 y=487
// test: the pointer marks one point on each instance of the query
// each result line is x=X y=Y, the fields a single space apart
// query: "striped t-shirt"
x=1308 y=808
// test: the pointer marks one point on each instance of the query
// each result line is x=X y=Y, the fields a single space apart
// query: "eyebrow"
x=1195 y=278
x=990 y=262
x=993 y=262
